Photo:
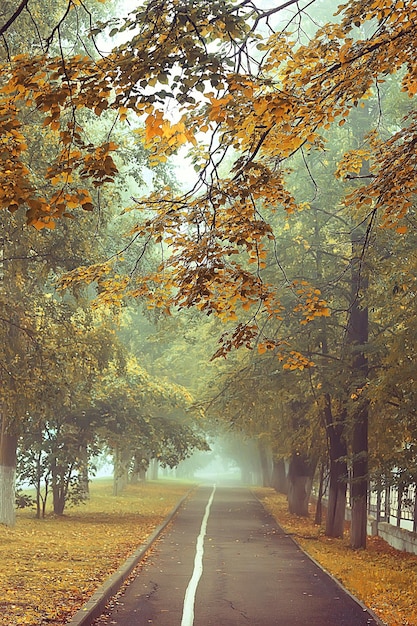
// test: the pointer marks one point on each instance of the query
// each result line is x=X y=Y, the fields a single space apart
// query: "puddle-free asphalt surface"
x=249 y=572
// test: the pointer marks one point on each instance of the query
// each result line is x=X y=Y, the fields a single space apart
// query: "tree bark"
x=85 y=478
x=58 y=489
x=265 y=463
x=15 y=350
x=8 y=447
x=38 y=487
x=58 y=500
x=116 y=467
x=318 y=518
x=359 y=486
x=300 y=480
x=279 y=476
x=121 y=461
x=358 y=338
x=336 y=507
x=335 y=426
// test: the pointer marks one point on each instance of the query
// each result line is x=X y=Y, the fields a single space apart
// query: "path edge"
x=363 y=606
x=95 y=606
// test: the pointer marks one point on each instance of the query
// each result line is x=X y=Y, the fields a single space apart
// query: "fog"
x=232 y=460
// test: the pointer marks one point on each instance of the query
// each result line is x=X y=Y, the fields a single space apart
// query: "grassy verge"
x=50 y=567
x=383 y=578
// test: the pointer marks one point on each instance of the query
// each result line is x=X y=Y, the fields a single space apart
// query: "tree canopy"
x=259 y=92
x=296 y=227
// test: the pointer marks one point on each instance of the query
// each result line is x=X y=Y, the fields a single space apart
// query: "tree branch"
x=14 y=17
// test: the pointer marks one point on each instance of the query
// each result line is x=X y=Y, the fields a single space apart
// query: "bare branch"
x=14 y=17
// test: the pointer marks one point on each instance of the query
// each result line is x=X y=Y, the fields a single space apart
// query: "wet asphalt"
x=253 y=574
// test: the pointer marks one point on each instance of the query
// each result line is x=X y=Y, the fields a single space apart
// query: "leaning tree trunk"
x=336 y=507
x=358 y=338
x=8 y=447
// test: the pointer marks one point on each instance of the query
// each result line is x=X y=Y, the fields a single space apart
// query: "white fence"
x=394 y=505
x=392 y=514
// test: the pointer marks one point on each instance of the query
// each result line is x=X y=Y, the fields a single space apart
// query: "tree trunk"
x=246 y=475
x=337 y=448
x=85 y=478
x=336 y=507
x=58 y=489
x=141 y=463
x=116 y=465
x=265 y=463
x=8 y=447
x=38 y=486
x=121 y=461
x=153 y=469
x=13 y=360
x=137 y=470
x=300 y=480
x=318 y=518
x=359 y=485
x=400 y=494
x=279 y=476
x=58 y=500
x=45 y=497
x=358 y=338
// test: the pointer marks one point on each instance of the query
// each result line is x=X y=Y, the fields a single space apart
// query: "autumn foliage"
x=266 y=103
x=298 y=220
x=50 y=569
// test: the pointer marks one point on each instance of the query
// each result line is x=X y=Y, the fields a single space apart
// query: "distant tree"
x=145 y=418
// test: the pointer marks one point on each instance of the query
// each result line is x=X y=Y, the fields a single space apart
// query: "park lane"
x=239 y=569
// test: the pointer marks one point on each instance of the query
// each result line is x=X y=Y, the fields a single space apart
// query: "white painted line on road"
x=189 y=599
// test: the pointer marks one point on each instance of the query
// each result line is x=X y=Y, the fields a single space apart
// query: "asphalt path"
x=223 y=561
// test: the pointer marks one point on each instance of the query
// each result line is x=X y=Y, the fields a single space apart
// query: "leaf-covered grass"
x=383 y=578
x=50 y=567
